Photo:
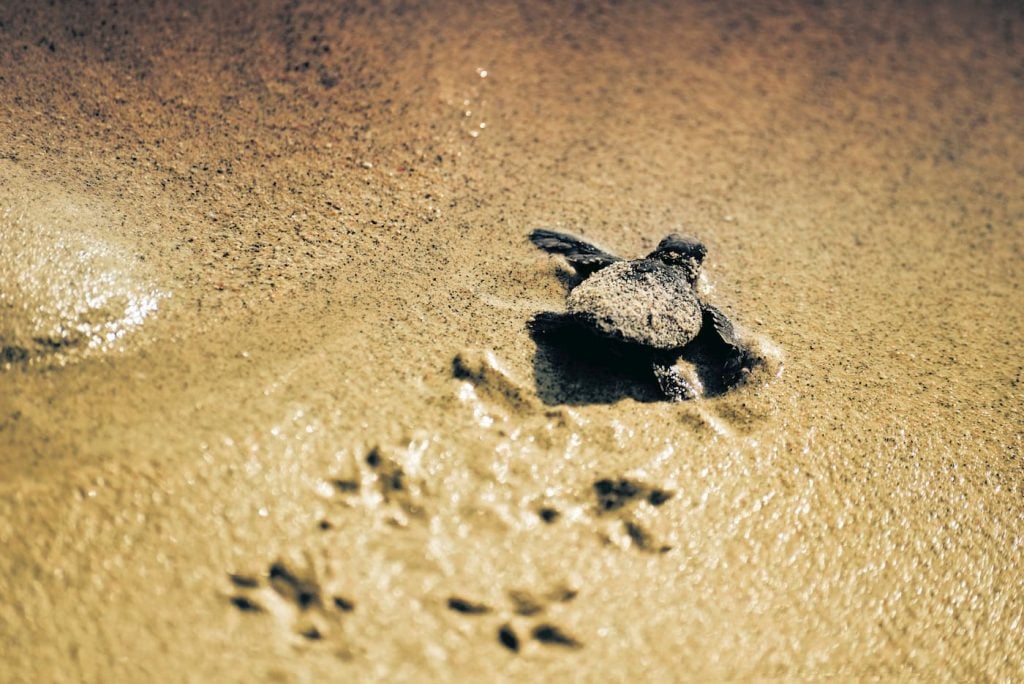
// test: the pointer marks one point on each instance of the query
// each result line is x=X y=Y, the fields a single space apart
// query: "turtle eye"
x=671 y=256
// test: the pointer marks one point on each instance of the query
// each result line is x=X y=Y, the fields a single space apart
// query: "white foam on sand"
x=68 y=288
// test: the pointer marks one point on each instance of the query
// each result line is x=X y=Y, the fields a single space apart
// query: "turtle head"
x=677 y=250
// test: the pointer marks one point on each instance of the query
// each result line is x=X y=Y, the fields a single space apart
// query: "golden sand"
x=330 y=448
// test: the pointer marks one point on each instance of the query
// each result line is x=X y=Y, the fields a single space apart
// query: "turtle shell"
x=646 y=302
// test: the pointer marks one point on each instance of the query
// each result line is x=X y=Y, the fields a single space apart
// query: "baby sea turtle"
x=649 y=310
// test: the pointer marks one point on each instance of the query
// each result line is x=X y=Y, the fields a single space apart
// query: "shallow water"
x=335 y=202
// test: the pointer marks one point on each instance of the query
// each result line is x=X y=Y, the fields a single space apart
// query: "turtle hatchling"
x=649 y=310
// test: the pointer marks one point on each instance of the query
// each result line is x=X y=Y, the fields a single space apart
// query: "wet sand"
x=245 y=249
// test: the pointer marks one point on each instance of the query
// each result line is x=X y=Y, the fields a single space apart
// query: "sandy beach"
x=269 y=406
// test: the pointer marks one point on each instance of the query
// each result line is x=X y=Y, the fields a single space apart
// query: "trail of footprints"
x=384 y=483
x=615 y=500
x=525 y=605
x=294 y=595
x=297 y=599
x=617 y=496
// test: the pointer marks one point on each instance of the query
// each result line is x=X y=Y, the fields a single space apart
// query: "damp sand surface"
x=322 y=444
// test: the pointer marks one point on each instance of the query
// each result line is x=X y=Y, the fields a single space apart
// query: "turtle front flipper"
x=549 y=323
x=582 y=256
x=678 y=380
x=735 y=359
x=720 y=329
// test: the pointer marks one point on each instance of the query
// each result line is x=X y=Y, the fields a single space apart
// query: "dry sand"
x=242 y=246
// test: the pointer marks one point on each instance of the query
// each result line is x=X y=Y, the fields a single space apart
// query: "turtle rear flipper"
x=678 y=381
x=582 y=256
